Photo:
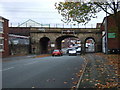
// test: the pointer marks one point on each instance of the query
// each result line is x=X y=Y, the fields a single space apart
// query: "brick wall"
x=113 y=43
x=19 y=49
x=24 y=31
x=112 y=27
x=5 y=33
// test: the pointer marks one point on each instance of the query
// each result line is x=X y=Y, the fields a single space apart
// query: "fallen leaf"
x=108 y=75
x=91 y=81
x=75 y=82
x=65 y=82
x=80 y=70
x=87 y=79
x=73 y=87
x=72 y=78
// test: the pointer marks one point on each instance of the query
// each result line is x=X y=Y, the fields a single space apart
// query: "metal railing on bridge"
x=52 y=25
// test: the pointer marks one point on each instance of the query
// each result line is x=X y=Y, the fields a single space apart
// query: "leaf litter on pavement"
x=101 y=72
x=79 y=74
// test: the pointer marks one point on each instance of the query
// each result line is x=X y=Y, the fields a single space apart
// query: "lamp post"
x=106 y=34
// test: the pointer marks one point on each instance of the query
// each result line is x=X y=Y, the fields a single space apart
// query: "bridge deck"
x=60 y=30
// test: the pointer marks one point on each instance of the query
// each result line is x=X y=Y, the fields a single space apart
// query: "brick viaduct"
x=41 y=36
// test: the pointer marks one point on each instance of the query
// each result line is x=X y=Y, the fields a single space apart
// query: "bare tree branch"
x=104 y=9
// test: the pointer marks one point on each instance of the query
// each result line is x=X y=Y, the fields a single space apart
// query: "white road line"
x=7 y=69
x=29 y=56
x=30 y=63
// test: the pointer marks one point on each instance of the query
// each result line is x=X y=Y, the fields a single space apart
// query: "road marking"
x=7 y=69
x=30 y=56
x=30 y=63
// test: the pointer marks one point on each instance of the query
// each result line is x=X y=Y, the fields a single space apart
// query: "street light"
x=106 y=49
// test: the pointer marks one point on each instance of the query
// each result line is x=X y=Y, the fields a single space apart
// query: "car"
x=72 y=52
x=57 y=52
x=78 y=50
x=67 y=51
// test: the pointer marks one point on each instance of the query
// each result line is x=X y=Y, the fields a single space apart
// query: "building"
x=30 y=23
x=23 y=31
x=19 y=37
x=19 y=40
x=4 y=31
x=19 y=45
x=98 y=25
x=110 y=40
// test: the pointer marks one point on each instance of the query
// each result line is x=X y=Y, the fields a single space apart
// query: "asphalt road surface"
x=46 y=72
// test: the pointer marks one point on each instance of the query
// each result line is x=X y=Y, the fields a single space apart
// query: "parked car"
x=72 y=52
x=57 y=52
x=67 y=51
x=78 y=50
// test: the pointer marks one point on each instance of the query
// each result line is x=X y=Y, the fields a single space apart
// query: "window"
x=1 y=26
x=1 y=44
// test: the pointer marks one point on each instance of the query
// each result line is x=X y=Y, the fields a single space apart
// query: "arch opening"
x=90 y=44
x=44 y=45
x=66 y=41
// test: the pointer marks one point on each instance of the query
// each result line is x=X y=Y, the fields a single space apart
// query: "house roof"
x=98 y=25
x=3 y=18
x=30 y=23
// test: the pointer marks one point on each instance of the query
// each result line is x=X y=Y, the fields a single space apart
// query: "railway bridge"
x=43 y=40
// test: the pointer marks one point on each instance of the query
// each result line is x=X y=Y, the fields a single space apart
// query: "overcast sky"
x=42 y=11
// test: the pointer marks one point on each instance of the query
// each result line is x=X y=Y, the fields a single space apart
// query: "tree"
x=82 y=12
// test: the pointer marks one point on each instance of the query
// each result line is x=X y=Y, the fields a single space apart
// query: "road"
x=46 y=72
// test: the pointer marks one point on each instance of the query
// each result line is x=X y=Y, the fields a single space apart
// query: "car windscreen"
x=71 y=49
x=56 y=50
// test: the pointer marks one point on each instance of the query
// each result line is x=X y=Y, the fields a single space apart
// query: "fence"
x=55 y=25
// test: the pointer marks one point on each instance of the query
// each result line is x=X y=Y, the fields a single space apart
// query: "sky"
x=41 y=11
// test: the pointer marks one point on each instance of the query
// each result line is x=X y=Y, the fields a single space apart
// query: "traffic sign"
x=111 y=35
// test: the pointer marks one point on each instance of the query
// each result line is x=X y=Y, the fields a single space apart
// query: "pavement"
x=99 y=74
x=22 y=57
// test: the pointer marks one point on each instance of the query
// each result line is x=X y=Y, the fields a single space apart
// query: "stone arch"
x=90 y=44
x=59 y=39
x=44 y=42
